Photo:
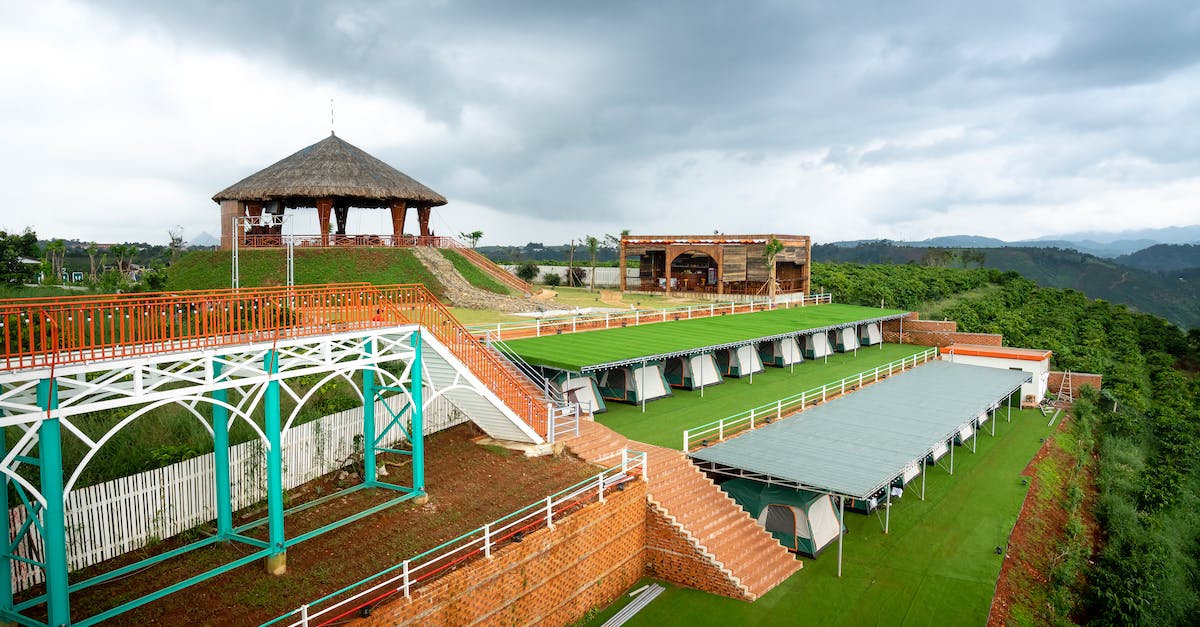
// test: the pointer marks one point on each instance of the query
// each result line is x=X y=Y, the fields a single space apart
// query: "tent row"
x=650 y=380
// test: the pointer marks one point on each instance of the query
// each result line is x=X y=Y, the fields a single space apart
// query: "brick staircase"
x=721 y=531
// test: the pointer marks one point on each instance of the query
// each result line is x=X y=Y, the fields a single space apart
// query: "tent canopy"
x=857 y=444
x=801 y=520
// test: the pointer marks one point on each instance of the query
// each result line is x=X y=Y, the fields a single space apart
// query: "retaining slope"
x=696 y=535
x=462 y=293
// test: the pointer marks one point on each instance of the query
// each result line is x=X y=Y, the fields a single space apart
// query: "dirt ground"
x=1041 y=525
x=468 y=484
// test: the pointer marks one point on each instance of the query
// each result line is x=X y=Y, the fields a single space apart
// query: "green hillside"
x=211 y=269
x=1173 y=295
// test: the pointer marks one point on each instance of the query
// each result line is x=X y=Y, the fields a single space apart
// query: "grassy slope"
x=473 y=274
x=573 y=351
x=938 y=565
x=665 y=419
x=381 y=266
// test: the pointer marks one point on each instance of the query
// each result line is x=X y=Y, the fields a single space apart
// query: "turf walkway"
x=575 y=351
x=665 y=419
x=938 y=566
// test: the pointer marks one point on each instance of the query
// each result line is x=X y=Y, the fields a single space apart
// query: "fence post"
x=550 y=513
x=721 y=427
x=600 y=487
x=636 y=317
x=685 y=440
x=537 y=327
x=606 y=320
x=751 y=417
x=823 y=388
x=573 y=320
x=487 y=540
x=550 y=423
x=779 y=409
x=304 y=615
x=407 y=586
x=803 y=399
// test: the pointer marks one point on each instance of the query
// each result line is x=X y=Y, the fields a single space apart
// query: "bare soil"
x=1040 y=529
x=469 y=485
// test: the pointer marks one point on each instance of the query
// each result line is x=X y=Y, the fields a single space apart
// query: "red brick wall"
x=1078 y=380
x=930 y=325
x=670 y=556
x=936 y=336
x=555 y=577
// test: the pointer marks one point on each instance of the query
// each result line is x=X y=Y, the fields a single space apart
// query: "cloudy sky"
x=550 y=120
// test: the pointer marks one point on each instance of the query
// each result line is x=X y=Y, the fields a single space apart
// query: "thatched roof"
x=331 y=168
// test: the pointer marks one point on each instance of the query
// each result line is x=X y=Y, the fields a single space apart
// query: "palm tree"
x=593 y=245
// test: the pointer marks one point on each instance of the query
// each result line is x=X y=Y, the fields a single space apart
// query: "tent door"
x=781 y=523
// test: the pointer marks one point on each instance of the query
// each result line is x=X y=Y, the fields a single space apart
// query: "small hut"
x=331 y=175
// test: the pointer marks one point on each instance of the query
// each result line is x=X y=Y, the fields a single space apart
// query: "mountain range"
x=1101 y=244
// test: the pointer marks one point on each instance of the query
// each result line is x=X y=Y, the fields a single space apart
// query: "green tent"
x=633 y=384
x=580 y=389
x=804 y=522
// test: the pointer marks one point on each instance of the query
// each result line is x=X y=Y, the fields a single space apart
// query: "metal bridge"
x=228 y=356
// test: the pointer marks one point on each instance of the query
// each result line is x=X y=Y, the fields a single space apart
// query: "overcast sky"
x=549 y=120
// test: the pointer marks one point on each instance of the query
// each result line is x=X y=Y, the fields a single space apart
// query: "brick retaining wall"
x=1078 y=380
x=670 y=556
x=552 y=576
x=936 y=333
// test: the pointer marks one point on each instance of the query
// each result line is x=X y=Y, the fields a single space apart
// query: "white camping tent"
x=742 y=361
x=692 y=372
x=910 y=472
x=803 y=521
x=869 y=334
x=964 y=433
x=633 y=384
x=847 y=339
x=782 y=353
x=582 y=389
x=938 y=452
x=816 y=345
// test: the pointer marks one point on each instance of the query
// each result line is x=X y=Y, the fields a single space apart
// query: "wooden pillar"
x=324 y=206
x=230 y=209
x=621 y=262
x=670 y=255
x=720 y=258
x=423 y=219
x=399 y=210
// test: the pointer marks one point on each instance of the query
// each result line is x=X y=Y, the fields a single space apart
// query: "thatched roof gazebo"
x=331 y=175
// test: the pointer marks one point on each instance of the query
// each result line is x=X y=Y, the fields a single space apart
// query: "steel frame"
x=235 y=381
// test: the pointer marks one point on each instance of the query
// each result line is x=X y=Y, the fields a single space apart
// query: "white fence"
x=112 y=518
x=763 y=414
x=606 y=276
x=415 y=571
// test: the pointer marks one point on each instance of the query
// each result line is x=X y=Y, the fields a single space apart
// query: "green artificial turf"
x=665 y=419
x=937 y=566
x=578 y=350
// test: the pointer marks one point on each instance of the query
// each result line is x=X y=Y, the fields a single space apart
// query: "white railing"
x=720 y=429
x=582 y=322
x=122 y=515
x=401 y=579
x=562 y=421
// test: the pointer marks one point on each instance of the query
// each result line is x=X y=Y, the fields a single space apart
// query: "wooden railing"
x=279 y=240
x=41 y=332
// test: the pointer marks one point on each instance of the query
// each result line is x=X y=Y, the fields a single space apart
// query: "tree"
x=177 y=244
x=55 y=251
x=473 y=237
x=571 y=266
x=773 y=248
x=593 y=244
x=92 y=251
x=528 y=271
x=14 y=248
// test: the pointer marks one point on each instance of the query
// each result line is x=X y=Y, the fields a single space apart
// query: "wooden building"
x=718 y=264
x=332 y=176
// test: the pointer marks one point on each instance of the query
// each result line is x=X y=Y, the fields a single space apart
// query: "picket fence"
x=115 y=517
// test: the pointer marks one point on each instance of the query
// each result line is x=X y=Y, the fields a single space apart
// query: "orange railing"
x=279 y=240
x=102 y=327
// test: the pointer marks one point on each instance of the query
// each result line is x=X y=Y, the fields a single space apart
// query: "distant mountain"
x=1100 y=244
x=204 y=240
x=1163 y=258
x=1174 y=295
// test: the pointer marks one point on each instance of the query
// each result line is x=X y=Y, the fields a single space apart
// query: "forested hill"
x=1174 y=295
x=1141 y=440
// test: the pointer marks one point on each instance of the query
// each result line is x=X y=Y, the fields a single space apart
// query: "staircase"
x=716 y=526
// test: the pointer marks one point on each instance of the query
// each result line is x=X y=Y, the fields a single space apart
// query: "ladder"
x=1065 y=397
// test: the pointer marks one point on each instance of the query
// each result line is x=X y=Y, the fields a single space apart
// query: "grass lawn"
x=473 y=274
x=570 y=297
x=577 y=350
x=937 y=566
x=665 y=419
x=483 y=316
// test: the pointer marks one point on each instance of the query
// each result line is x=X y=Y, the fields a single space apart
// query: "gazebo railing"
x=278 y=240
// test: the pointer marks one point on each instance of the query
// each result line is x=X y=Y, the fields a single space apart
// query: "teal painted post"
x=370 y=468
x=54 y=519
x=220 y=418
x=277 y=560
x=417 y=425
x=6 y=592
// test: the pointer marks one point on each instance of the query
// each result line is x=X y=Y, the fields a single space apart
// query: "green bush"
x=552 y=279
x=528 y=271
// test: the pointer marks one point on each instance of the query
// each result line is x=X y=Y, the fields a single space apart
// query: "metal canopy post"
x=952 y=454
x=841 y=529
x=1010 y=407
x=416 y=427
x=974 y=434
x=277 y=556
x=887 y=514
x=220 y=426
x=993 y=423
x=370 y=467
x=923 y=460
x=54 y=520
x=642 y=391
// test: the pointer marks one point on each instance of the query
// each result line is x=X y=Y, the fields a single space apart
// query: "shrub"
x=528 y=271
x=552 y=279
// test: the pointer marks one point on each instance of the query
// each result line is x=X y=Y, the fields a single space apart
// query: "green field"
x=578 y=350
x=665 y=419
x=211 y=269
x=937 y=566
x=472 y=273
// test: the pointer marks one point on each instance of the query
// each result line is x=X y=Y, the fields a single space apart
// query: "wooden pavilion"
x=331 y=175
x=718 y=264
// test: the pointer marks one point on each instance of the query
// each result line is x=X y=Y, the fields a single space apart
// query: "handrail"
x=414 y=571
x=588 y=322
x=487 y=265
x=719 y=430
x=551 y=393
x=121 y=326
